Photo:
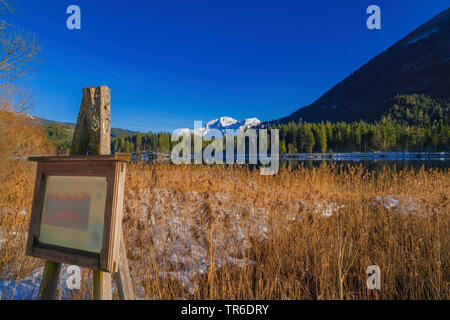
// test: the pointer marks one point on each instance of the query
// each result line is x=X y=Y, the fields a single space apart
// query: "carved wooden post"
x=93 y=128
x=93 y=123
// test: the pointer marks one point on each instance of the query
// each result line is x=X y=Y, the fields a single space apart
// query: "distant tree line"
x=385 y=135
x=143 y=142
x=412 y=123
x=61 y=136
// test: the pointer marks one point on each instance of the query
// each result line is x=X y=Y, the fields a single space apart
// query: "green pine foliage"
x=142 y=142
x=419 y=110
x=413 y=123
x=60 y=135
x=386 y=135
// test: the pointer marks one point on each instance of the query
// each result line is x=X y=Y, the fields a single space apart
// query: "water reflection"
x=370 y=161
x=372 y=165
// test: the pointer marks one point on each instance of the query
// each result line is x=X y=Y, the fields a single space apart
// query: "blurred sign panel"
x=73 y=212
x=76 y=217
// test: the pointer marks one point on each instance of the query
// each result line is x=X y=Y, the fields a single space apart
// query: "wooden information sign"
x=77 y=210
x=76 y=216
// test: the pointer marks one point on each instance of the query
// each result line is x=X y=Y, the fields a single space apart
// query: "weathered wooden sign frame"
x=112 y=168
x=93 y=131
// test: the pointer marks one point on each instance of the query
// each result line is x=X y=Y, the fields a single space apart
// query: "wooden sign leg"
x=49 y=283
x=101 y=288
x=123 y=279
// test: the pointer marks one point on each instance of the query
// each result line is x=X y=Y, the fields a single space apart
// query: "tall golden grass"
x=18 y=137
x=303 y=234
x=200 y=232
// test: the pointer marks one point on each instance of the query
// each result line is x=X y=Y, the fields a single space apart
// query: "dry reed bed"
x=201 y=232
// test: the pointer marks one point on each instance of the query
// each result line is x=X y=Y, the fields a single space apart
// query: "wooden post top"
x=118 y=157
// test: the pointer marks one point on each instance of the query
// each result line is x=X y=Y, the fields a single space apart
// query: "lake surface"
x=376 y=165
x=370 y=160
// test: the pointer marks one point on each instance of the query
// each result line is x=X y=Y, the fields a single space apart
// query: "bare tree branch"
x=18 y=51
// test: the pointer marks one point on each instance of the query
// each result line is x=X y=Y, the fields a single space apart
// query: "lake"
x=370 y=160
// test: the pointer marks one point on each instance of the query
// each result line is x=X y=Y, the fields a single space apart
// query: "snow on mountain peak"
x=252 y=122
x=227 y=123
x=221 y=122
x=224 y=123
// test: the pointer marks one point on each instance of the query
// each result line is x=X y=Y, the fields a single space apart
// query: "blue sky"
x=169 y=63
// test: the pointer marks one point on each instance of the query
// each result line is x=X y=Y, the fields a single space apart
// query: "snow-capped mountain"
x=225 y=123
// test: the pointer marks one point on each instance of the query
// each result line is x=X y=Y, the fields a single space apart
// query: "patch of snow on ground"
x=399 y=204
x=327 y=209
x=21 y=289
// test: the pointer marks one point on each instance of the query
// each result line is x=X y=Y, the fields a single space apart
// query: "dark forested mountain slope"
x=417 y=64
